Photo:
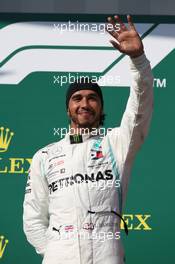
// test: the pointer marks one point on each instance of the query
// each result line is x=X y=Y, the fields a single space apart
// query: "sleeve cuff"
x=139 y=62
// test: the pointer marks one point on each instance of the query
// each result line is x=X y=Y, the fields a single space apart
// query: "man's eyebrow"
x=88 y=95
x=93 y=94
x=76 y=95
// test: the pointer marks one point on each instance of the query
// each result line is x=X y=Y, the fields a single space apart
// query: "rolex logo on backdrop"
x=12 y=165
x=3 y=244
x=5 y=138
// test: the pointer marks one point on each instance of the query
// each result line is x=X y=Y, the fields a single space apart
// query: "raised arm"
x=127 y=139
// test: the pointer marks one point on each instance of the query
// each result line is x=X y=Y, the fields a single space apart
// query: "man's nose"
x=84 y=102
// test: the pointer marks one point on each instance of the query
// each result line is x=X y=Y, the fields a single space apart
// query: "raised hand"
x=128 y=40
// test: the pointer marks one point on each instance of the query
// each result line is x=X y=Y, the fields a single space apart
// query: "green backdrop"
x=34 y=108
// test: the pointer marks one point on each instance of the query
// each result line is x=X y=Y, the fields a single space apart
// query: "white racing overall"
x=77 y=187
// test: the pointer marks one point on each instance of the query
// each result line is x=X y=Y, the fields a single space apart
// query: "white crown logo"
x=3 y=244
x=5 y=138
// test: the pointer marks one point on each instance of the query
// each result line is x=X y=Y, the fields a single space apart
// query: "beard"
x=83 y=124
x=89 y=123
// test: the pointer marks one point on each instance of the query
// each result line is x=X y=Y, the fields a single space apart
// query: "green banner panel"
x=39 y=56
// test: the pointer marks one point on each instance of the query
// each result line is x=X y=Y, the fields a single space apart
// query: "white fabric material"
x=66 y=181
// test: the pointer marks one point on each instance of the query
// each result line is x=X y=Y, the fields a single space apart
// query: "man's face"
x=85 y=109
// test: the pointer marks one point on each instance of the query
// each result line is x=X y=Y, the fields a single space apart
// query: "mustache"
x=84 y=109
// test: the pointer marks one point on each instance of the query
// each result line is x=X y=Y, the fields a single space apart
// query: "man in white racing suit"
x=77 y=187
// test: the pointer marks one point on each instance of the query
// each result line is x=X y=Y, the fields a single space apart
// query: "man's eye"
x=94 y=98
x=77 y=98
